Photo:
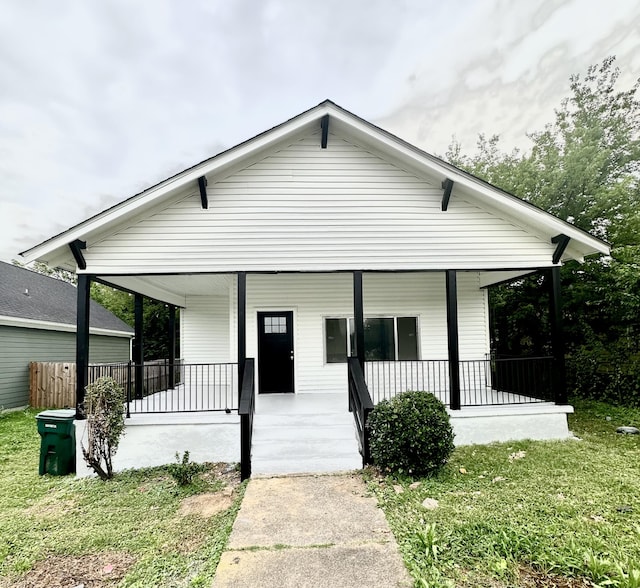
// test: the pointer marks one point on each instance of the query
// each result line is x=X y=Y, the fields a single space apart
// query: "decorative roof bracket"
x=202 y=184
x=447 y=186
x=561 y=241
x=324 y=124
x=76 y=249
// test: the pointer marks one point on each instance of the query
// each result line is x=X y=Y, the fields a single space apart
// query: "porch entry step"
x=306 y=421
x=317 y=431
x=304 y=433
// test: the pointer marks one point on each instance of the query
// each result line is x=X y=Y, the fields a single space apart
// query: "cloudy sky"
x=100 y=99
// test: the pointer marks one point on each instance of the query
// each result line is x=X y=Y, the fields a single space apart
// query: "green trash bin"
x=58 y=444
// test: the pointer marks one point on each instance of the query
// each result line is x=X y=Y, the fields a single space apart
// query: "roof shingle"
x=29 y=295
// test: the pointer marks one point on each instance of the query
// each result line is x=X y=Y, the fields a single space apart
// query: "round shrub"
x=410 y=434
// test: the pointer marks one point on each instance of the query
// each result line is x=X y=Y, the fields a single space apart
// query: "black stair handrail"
x=246 y=410
x=360 y=404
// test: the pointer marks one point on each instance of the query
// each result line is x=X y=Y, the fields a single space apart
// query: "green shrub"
x=410 y=434
x=104 y=409
x=184 y=471
x=611 y=375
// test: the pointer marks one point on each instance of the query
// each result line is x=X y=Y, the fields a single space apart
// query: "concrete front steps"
x=302 y=434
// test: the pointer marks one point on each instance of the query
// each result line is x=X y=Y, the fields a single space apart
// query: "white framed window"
x=390 y=338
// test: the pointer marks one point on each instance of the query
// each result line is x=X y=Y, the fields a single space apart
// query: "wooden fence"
x=53 y=384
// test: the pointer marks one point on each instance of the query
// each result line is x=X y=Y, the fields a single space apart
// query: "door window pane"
x=379 y=343
x=407 y=338
x=275 y=324
x=336 y=340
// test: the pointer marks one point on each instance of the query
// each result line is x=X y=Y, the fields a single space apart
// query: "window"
x=275 y=324
x=385 y=338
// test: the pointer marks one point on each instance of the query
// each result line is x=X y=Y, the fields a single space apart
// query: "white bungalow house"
x=322 y=239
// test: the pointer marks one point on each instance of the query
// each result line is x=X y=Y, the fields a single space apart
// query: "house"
x=327 y=264
x=38 y=323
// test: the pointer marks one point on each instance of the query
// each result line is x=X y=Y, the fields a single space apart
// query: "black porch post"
x=452 y=339
x=138 y=346
x=172 y=346
x=557 y=337
x=358 y=315
x=82 y=340
x=242 y=327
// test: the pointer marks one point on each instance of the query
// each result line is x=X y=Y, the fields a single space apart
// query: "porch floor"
x=303 y=433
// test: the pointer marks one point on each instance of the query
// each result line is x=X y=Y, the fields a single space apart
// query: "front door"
x=275 y=352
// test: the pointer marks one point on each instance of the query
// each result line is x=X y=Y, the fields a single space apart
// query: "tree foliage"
x=584 y=167
x=45 y=270
x=155 y=317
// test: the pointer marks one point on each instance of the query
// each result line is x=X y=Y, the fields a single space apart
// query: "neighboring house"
x=38 y=323
x=321 y=239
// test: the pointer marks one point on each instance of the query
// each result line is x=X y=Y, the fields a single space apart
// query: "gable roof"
x=36 y=299
x=343 y=122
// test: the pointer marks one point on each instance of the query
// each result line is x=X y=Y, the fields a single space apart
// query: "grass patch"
x=135 y=517
x=527 y=513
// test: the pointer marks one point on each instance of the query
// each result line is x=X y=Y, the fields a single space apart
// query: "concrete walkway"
x=310 y=531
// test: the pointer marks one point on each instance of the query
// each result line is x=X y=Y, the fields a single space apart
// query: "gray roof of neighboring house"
x=29 y=295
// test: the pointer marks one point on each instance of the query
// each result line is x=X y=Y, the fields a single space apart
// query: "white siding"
x=304 y=208
x=205 y=329
x=209 y=323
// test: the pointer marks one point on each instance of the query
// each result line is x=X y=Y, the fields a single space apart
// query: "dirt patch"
x=206 y=505
x=530 y=578
x=88 y=571
x=51 y=506
x=211 y=503
x=225 y=472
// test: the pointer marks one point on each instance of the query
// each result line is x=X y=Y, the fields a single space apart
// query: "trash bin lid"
x=58 y=414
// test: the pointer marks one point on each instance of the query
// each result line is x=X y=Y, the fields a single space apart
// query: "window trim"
x=350 y=319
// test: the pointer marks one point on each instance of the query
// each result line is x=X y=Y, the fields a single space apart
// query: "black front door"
x=275 y=351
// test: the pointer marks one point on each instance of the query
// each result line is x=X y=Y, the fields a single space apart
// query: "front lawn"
x=563 y=514
x=139 y=529
x=527 y=513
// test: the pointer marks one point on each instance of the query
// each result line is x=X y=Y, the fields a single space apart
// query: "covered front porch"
x=227 y=401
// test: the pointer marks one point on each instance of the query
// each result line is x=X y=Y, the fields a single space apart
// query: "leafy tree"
x=45 y=270
x=584 y=168
x=155 y=317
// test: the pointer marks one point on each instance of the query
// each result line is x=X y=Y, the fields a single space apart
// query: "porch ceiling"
x=174 y=289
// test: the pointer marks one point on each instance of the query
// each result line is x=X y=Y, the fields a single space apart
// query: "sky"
x=102 y=99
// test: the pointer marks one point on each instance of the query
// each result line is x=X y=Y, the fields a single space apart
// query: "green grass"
x=134 y=514
x=566 y=509
x=556 y=509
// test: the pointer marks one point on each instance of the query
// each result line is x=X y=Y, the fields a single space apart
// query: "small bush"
x=410 y=434
x=184 y=471
x=104 y=409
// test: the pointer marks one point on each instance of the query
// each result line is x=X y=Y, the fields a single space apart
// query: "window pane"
x=282 y=324
x=378 y=339
x=407 y=338
x=336 y=340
